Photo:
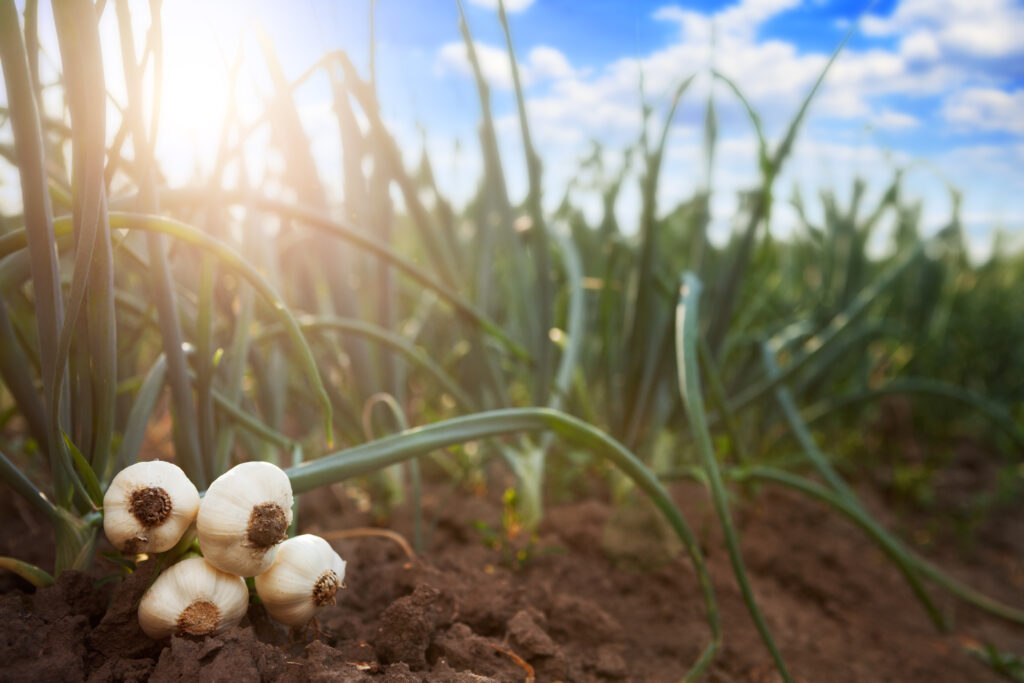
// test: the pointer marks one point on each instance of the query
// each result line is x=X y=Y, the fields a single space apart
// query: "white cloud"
x=984 y=29
x=773 y=74
x=859 y=108
x=740 y=20
x=511 y=6
x=921 y=45
x=894 y=120
x=494 y=62
x=547 y=62
x=987 y=109
x=542 y=63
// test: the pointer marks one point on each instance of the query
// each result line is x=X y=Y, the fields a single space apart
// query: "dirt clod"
x=610 y=662
x=118 y=670
x=118 y=633
x=235 y=655
x=583 y=621
x=464 y=650
x=407 y=625
x=73 y=593
x=526 y=632
x=34 y=649
x=324 y=664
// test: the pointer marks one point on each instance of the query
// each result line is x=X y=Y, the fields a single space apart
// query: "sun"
x=200 y=43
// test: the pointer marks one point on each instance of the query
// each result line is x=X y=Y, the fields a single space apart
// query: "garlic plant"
x=148 y=506
x=243 y=517
x=193 y=598
x=304 y=578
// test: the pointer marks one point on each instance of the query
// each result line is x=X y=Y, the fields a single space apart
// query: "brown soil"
x=600 y=596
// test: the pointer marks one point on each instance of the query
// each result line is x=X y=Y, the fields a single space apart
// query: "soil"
x=602 y=594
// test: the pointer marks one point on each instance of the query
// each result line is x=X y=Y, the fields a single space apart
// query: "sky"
x=935 y=87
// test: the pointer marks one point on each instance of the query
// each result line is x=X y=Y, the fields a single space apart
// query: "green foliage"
x=1005 y=664
x=276 y=319
x=517 y=544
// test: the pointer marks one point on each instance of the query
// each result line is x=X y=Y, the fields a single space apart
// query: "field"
x=548 y=448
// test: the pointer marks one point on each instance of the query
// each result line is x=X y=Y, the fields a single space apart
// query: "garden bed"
x=601 y=595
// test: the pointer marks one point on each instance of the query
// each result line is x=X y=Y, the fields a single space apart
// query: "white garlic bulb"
x=243 y=517
x=193 y=598
x=304 y=578
x=148 y=506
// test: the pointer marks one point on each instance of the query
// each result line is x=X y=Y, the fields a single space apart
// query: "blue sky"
x=934 y=85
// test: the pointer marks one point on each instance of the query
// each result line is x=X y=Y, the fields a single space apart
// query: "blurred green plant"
x=1005 y=664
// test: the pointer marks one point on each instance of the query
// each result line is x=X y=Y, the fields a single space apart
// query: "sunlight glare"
x=198 y=55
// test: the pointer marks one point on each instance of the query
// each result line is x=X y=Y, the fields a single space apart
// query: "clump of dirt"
x=407 y=626
x=578 y=607
x=45 y=633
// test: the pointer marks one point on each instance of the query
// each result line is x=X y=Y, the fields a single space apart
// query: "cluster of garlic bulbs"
x=241 y=525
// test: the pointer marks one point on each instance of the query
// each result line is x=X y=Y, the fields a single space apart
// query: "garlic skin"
x=193 y=598
x=304 y=578
x=148 y=506
x=243 y=517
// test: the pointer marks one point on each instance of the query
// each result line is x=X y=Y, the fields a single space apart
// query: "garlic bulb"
x=194 y=598
x=243 y=517
x=304 y=578
x=148 y=506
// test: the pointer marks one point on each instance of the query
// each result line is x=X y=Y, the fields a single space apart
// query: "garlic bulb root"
x=148 y=506
x=194 y=598
x=268 y=525
x=199 y=618
x=151 y=505
x=305 y=577
x=244 y=517
x=327 y=584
